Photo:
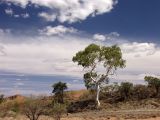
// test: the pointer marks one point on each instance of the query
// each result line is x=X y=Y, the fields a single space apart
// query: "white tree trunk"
x=97 y=95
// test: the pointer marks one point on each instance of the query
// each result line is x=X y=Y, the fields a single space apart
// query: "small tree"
x=58 y=89
x=99 y=62
x=154 y=83
x=33 y=109
x=126 y=89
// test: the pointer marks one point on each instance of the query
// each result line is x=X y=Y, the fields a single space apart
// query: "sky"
x=38 y=39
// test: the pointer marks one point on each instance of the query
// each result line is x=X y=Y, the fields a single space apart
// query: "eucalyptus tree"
x=99 y=63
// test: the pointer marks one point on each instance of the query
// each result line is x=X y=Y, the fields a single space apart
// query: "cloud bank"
x=51 y=54
x=68 y=10
x=57 y=30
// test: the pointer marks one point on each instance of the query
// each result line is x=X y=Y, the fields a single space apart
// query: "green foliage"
x=126 y=89
x=93 y=56
x=87 y=79
x=87 y=57
x=58 y=89
x=153 y=82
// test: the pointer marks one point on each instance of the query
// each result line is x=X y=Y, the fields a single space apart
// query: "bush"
x=154 y=83
x=141 y=92
x=34 y=108
x=6 y=109
x=1 y=98
x=81 y=105
x=58 y=110
x=126 y=90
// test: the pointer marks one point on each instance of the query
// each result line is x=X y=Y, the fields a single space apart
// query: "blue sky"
x=38 y=38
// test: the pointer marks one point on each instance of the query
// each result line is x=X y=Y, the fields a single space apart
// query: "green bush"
x=125 y=90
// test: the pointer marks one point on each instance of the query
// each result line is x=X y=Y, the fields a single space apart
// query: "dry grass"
x=131 y=110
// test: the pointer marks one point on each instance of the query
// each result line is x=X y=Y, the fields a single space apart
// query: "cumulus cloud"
x=47 y=16
x=26 y=15
x=9 y=11
x=16 y=16
x=58 y=30
x=111 y=36
x=70 y=10
x=23 y=15
x=99 y=37
x=139 y=49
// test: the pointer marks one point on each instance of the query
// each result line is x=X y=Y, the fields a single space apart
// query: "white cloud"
x=138 y=49
x=111 y=36
x=71 y=10
x=58 y=30
x=99 y=37
x=16 y=16
x=49 y=55
x=23 y=15
x=26 y=15
x=9 y=11
x=47 y=17
x=2 y=51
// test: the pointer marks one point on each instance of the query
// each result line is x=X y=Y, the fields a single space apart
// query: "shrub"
x=141 y=92
x=58 y=110
x=1 y=98
x=6 y=109
x=34 y=108
x=154 y=83
x=126 y=90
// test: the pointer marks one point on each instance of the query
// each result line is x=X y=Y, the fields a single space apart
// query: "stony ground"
x=104 y=115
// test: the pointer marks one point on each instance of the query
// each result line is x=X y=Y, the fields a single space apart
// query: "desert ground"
x=103 y=115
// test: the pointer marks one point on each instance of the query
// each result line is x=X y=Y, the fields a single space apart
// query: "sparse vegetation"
x=34 y=108
x=58 y=110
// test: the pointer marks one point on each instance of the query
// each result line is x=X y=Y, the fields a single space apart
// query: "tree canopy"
x=58 y=89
